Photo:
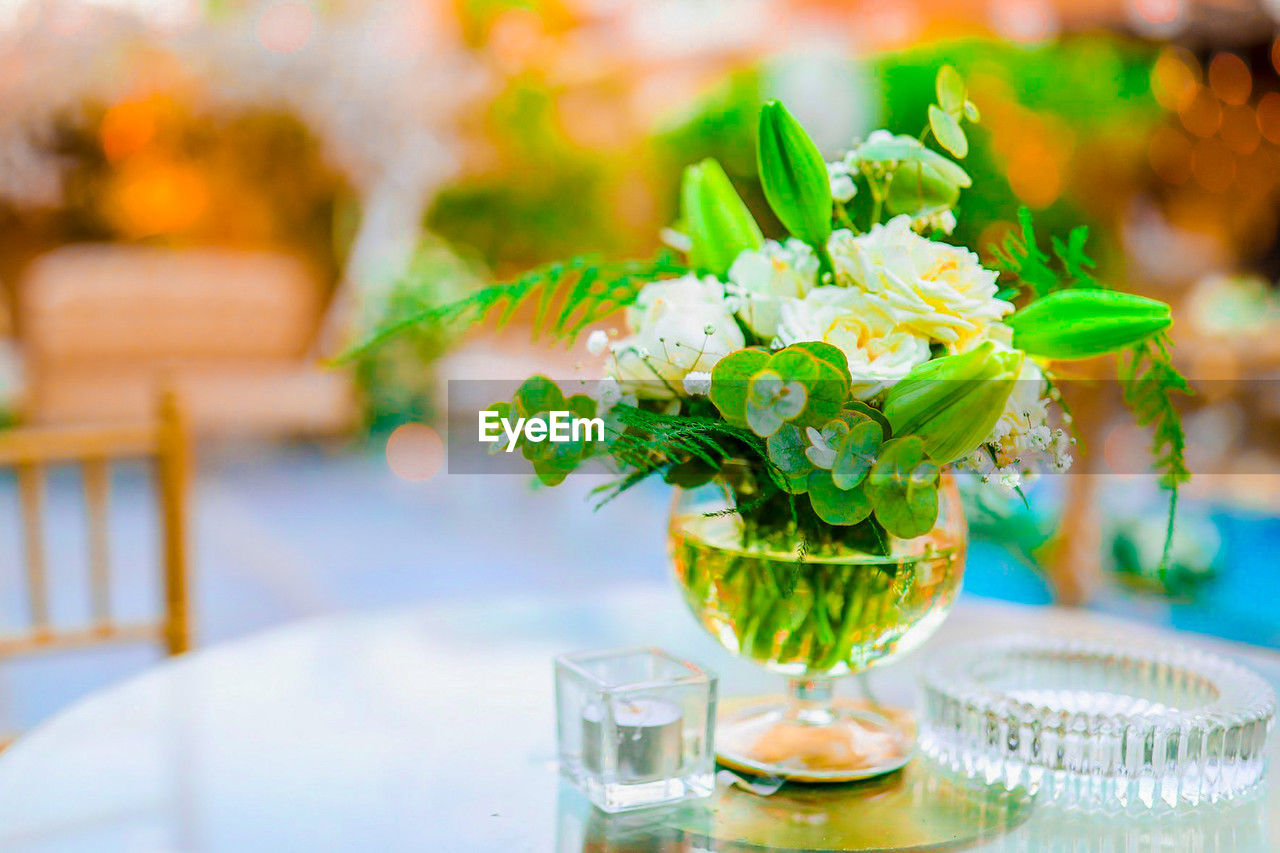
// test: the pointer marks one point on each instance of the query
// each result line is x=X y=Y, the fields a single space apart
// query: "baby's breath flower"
x=697 y=383
x=597 y=341
x=843 y=189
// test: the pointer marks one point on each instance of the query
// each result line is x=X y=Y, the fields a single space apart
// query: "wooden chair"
x=93 y=449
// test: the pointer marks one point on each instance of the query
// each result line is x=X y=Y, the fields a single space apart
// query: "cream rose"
x=939 y=291
x=761 y=279
x=879 y=351
x=679 y=326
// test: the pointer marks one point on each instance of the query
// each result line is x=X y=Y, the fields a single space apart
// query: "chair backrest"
x=163 y=441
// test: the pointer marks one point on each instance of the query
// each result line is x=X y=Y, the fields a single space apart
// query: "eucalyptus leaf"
x=950 y=89
x=947 y=131
x=916 y=188
x=824 y=443
x=537 y=394
x=786 y=449
x=911 y=513
x=772 y=401
x=857 y=454
x=729 y=380
x=971 y=112
x=905 y=502
x=835 y=505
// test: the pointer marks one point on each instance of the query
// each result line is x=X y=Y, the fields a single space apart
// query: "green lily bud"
x=719 y=224
x=953 y=402
x=794 y=175
x=1085 y=322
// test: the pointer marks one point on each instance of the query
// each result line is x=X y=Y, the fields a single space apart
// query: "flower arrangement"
x=844 y=367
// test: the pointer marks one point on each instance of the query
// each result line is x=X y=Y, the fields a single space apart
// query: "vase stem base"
x=846 y=741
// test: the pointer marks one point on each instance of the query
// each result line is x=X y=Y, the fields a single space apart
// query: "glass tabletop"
x=432 y=729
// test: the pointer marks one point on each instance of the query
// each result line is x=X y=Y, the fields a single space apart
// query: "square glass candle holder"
x=635 y=727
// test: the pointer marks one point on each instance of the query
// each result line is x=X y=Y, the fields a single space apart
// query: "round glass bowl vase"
x=836 y=610
x=1098 y=726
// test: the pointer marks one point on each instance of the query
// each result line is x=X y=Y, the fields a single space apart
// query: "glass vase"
x=812 y=602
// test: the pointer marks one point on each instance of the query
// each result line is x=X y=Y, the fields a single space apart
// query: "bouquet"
x=831 y=376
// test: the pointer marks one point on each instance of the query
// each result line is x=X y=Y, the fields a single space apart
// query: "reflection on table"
x=432 y=730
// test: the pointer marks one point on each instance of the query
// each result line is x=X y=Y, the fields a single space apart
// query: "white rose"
x=879 y=352
x=939 y=291
x=761 y=279
x=679 y=326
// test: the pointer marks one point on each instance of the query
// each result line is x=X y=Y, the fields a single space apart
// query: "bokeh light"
x=1240 y=129
x=1175 y=77
x=415 y=452
x=1203 y=115
x=1230 y=79
x=127 y=128
x=1269 y=117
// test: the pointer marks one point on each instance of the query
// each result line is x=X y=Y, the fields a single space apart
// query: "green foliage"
x=950 y=89
x=729 y=382
x=794 y=177
x=917 y=180
x=953 y=402
x=952 y=108
x=1098 y=86
x=686 y=449
x=1151 y=383
x=857 y=453
x=804 y=384
x=836 y=505
x=567 y=296
x=903 y=486
x=1087 y=322
x=552 y=461
x=946 y=129
x=1019 y=256
x=719 y=225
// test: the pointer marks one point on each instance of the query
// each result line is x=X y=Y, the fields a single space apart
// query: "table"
x=431 y=729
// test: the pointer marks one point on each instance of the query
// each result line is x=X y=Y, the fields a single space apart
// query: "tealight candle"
x=646 y=734
x=634 y=727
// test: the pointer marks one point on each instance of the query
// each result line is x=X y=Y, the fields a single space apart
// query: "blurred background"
x=213 y=197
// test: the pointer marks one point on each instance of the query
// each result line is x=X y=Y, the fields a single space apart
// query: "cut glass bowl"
x=1095 y=724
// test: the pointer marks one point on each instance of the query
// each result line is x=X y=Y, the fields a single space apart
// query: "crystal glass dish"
x=1097 y=725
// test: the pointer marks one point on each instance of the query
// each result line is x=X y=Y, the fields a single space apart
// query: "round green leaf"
x=772 y=400
x=905 y=500
x=910 y=514
x=729 y=380
x=857 y=454
x=947 y=131
x=835 y=505
x=950 y=89
x=786 y=449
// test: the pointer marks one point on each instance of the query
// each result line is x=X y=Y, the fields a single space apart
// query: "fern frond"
x=569 y=295
x=672 y=438
x=1020 y=256
x=1150 y=382
x=1078 y=265
x=653 y=442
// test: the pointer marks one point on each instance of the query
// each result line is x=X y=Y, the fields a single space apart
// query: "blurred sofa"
x=100 y=325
